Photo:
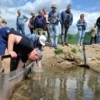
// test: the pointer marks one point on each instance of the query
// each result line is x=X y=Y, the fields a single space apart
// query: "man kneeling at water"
x=24 y=45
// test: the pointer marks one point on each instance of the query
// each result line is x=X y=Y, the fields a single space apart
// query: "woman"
x=81 y=24
x=31 y=22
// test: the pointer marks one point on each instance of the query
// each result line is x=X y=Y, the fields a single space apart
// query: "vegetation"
x=74 y=50
x=58 y=51
x=72 y=38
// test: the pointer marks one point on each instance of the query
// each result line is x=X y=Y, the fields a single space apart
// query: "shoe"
x=66 y=44
x=63 y=44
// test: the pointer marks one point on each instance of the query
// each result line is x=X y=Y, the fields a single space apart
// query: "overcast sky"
x=90 y=8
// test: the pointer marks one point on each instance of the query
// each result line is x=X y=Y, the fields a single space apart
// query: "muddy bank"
x=72 y=56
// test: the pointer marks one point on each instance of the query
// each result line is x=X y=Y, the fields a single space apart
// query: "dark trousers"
x=64 y=34
x=93 y=38
x=14 y=63
x=48 y=31
x=31 y=30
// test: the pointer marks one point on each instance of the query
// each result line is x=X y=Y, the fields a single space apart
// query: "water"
x=54 y=84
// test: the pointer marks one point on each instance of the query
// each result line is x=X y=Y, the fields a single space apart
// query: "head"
x=44 y=11
x=32 y=14
x=40 y=12
x=69 y=8
x=54 y=7
x=42 y=40
x=82 y=16
x=33 y=55
x=19 y=12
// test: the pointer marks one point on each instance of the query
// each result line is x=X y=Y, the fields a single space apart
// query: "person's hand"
x=44 y=32
x=13 y=54
x=56 y=18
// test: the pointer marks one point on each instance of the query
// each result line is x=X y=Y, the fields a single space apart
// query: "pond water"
x=54 y=84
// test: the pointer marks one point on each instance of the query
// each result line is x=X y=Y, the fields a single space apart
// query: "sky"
x=90 y=8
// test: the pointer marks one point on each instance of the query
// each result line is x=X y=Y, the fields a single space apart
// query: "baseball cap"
x=54 y=5
x=42 y=39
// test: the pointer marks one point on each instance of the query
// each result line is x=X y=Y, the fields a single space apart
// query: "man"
x=23 y=43
x=66 y=22
x=98 y=25
x=40 y=23
x=54 y=18
x=20 y=23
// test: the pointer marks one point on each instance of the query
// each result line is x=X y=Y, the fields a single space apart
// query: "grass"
x=74 y=50
x=58 y=51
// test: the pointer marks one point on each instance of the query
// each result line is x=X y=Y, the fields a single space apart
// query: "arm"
x=26 y=19
x=71 y=20
x=61 y=18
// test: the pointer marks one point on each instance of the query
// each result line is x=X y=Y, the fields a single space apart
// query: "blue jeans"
x=98 y=38
x=81 y=34
x=54 y=35
x=21 y=28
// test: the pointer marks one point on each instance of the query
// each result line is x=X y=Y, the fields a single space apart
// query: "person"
x=2 y=21
x=14 y=38
x=66 y=22
x=81 y=24
x=21 y=19
x=40 y=23
x=98 y=30
x=38 y=42
x=54 y=18
x=47 y=23
x=31 y=22
x=93 y=33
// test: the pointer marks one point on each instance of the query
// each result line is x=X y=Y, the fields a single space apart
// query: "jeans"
x=81 y=34
x=21 y=28
x=54 y=35
x=64 y=34
x=98 y=39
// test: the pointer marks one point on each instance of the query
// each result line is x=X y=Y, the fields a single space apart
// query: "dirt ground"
x=49 y=56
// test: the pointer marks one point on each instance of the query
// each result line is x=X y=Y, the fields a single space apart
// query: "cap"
x=54 y=5
x=42 y=39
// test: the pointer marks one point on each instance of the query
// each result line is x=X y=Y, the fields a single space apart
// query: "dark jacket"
x=98 y=22
x=66 y=18
x=40 y=22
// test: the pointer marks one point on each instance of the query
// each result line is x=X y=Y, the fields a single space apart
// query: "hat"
x=42 y=39
x=54 y=5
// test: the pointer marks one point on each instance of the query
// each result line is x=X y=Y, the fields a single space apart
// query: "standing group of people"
x=18 y=42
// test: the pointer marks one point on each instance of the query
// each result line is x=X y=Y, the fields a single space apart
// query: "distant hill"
x=72 y=38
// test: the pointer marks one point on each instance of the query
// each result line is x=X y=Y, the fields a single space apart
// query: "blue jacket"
x=21 y=20
x=53 y=15
x=66 y=18
x=81 y=27
x=35 y=38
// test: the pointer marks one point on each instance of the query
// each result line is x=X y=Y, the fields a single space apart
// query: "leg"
x=55 y=36
x=95 y=39
x=82 y=37
x=22 y=29
x=91 y=40
x=52 y=35
x=98 y=35
x=48 y=32
x=66 y=35
x=18 y=28
x=79 y=36
x=62 y=34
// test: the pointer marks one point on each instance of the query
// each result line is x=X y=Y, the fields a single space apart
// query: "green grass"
x=74 y=50
x=72 y=38
x=58 y=51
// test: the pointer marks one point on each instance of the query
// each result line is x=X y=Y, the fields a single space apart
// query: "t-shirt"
x=24 y=47
x=3 y=39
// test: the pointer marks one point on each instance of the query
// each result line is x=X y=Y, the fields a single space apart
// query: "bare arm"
x=13 y=39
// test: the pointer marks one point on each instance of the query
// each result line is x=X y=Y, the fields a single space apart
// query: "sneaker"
x=66 y=44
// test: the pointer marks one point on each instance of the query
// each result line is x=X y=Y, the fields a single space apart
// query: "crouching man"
x=21 y=42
